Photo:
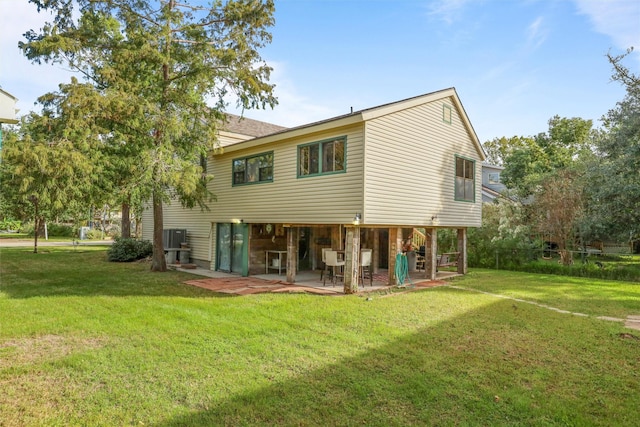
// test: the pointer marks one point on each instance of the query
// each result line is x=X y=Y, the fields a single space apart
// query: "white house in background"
x=492 y=186
x=367 y=179
x=7 y=110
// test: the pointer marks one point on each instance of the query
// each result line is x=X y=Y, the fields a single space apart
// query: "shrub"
x=94 y=234
x=10 y=225
x=127 y=250
x=60 y=230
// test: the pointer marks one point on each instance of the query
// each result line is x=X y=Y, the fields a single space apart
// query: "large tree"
x=44 y=174
x=614 y=193
x=165 y=70
x=529 y=162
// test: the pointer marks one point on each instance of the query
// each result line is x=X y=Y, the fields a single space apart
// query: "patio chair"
x=331 y=260
x=325 y=268
x=365 y=265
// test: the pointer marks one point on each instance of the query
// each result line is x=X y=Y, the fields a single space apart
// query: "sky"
x=514 y=63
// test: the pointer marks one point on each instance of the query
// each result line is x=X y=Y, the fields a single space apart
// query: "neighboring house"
x=364 y=179
x=492 y=186
x=7 y=110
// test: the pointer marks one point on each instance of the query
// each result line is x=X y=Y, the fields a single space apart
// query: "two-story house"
x=364 y=179
x=7 y=110
x=492 y=186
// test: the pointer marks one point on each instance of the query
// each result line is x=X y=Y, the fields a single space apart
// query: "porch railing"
x=418 y=238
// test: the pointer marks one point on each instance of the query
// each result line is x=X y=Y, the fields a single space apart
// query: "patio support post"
x=336 y=238
x=431 y=253
x=292 y=254
x=352 y=261
x=462 y=249
x=375 y=263
x=395 y=247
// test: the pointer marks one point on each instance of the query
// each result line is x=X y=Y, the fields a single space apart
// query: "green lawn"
x=87 y=342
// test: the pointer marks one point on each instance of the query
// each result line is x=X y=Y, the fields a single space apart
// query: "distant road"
x=17 y=243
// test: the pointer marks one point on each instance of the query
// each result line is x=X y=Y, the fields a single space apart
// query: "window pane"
x=303 y=159
x=327 y=156
x=314 y=158
x=468 y=190
x=238 y=171
x=338 y=156
x=468 y=169
x=266 y=174
x=252 y=169
x=459 y=166
x=459 y=188
x=238 y=165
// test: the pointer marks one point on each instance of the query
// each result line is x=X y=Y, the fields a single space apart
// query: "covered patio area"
x=307 y=282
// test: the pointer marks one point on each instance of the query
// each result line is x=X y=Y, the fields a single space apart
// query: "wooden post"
x=292 y=254
x=375 y=262
x=431 y=253
x=336 y=238
x=462 y=249
x=395 y=247
x=352 y=261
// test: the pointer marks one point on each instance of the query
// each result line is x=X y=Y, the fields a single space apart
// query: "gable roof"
x=364 y=115
x=249 y=127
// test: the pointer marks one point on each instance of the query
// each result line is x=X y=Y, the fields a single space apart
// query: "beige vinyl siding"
x=410 y=167
x=147 y=222
x=197 y=224
x=323 y=199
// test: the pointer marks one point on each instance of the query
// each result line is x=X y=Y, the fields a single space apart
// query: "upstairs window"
x=253 y=169
x=494 y=178
x=465 y=180
x=323 y=157
x=446 y=113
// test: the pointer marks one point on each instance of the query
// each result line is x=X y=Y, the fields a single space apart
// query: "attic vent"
x=446 y=113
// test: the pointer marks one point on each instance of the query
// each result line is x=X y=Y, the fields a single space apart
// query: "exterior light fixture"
x=357 y=218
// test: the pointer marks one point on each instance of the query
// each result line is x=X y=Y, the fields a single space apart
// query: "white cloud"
x=618 y=19
x=28 y=81
x=447 y=10
x=294 y=108
x=537 y=32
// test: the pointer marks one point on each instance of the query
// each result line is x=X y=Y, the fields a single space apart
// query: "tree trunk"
x=566 y=257
x=35 y=232
x=158 y=262
x=37 y=221
x=125 y=229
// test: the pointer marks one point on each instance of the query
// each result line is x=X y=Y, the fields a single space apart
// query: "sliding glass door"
x=232 y=248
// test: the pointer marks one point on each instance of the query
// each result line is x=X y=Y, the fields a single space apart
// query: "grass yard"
x=87 y=342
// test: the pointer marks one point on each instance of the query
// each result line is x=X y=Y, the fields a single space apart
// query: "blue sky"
x=515 y=64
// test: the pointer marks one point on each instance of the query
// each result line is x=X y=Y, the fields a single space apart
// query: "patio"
x=307 y=281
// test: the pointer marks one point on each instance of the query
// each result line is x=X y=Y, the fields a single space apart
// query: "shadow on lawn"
x=487 y=367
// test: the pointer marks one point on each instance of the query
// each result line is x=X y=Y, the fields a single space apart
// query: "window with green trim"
x=446 y=113
x=465 y=180
x=253 y=169
x=322 y=157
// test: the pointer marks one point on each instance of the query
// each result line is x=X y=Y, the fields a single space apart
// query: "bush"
x=60 y=230
x=10 y=225
x=94 y=234
x=127 y=250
